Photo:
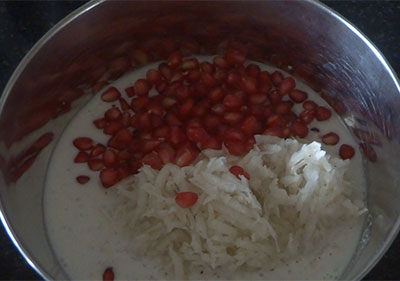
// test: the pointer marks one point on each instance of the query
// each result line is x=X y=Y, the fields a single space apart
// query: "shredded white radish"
x=295 y=196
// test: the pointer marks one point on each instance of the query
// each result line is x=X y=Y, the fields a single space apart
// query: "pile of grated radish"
x=295 y=196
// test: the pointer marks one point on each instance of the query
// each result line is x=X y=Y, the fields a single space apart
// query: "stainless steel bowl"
x=109 y=38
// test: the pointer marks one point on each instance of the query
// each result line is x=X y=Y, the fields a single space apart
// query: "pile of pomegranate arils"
x=200 y=105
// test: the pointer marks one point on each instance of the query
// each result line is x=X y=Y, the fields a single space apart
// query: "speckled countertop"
x=23 y=23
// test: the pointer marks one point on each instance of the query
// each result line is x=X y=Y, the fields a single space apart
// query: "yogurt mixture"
x=86 y=243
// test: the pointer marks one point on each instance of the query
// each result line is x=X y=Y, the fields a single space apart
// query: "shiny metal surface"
x=103 y=39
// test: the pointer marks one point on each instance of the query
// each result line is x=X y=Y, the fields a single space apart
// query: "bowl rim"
x=94 y=3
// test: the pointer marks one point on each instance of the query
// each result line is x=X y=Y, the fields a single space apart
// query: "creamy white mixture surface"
x=86 y=243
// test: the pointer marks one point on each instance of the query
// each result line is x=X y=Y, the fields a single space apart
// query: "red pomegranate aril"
x=124 y=104
x=248 y=84
x=112 y=128
x=162 y=132
x=172 y=120
x=153 y=160
x=190 y=64
x=112 y=114
x=196 y=134
x=220 y=62
x=168 y=102
x=211 y=121
x=299 y=129
x=286 y=86
x=265 y=87
x=108 y=274
x=232 y=102
x=310 y=105
x=109 y=177
x=182 y=92
x=250 y=126
x=161 y=86
x=207 y=67
x=123 y=172
x=298 y=96
x=134 y=146
x=233 y=118
x=253 y=70
x=126 y=118
x=81 y=157
x=274 y=97
x=130 y=92
x=239 y=171
x=121 y=139
x=276 y=78
x=216 y=95
x=233 y=134
x=186 y=199
x=185 y=156
x=97 y=150
x=283 y=107
x=156 y=109
x=264 y=76
x=149 y=145
x=307 y=116
x=153 y=76
x=195 y=122
x=144 y=121
x=233 y=79
x=257 y=99
x=140 y=103
x=100 y=123
x=110 y=158
x=268 y=111
x=218 y=109
x=369 y=152
x=199 y=110
x=175 y=59
x=83 y=143
x=323 y=113
x=186 y=108
x=82 y=179
x=111 y=95
x=330 y=138
x=95 y=164
x=235 y=148
x=165 y=70
x=211 y=143
x=177 y=136
x=286 y=132
x=346 y=151
x=156 y=121
x=235 y=57
x=177 y=76
x=193 y=76
x=124 y=155
x=166 y=153
x=220 y=75
x=135 y=164
x=142 y=87
x=208 y=80
x=276 y=120
x=274 y=131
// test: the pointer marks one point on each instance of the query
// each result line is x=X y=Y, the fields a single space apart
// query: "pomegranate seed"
x=161 y=86
x=123 y=172
x=110 y=95
x=275 y=97
x=134 y=146
x=276 y=120
x=369 y=152
x=233 y=117
x=82 y=179
x=153 y=76
x=121 y=139
x=207 y=67
x=195 y=122
x=108 y=177
x=186 y=107
x=156 y=109
x=235 y=148
x=265 y=87
x=300 y=129
x=140 y=57
x=97 y=150
x=153 y=160
x=286 y=86
x=165 y=70
x=186 y=199
x=212 y=121
x=185 y=156
x=112 y=114
x=83 y=143
x=112 y=128
x=307 y=116
x=81 y=157
x=172 y=120
x=286 y=132
x=211 y=143
x=251 y=141
x=100 y=123
x=248 y=84
x=190 y=64
x=124 y=104
x=346 y=151
x=182 y=92
x=274 y=131
x=193 y=76
x=310 y=105
x=110 y=158
x=250 y=126
x=197 y=134
x=208 y=80
x=135 y=164
x=323 y=113
x=168 y=102
x=330 y=139
x=233 y=134
x=233 y=79
x=276 y=78
x=257 y=111
x=176 y=77
x=200 y=109
x=166 y=153
x=144 y=121
x=124 y=155
x=95 y=164
x=258 y=99
x=150 y=145
x=175 y=59
x=162 y=132
x=142 y=87
x=232 y=102
x=140 y=103
x=177 y=135
x=108 y=274
x=298 y=96
x=283 y=107
x=239 y=171
x=235 y=57
x=264 y=76
x=218 y=109
x=253 y=70
x=220 y=75
x=130 y=92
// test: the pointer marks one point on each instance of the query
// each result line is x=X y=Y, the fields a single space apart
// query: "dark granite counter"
x=23 y=23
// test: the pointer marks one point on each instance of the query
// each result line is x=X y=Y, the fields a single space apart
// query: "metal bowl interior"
x=107 y=39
